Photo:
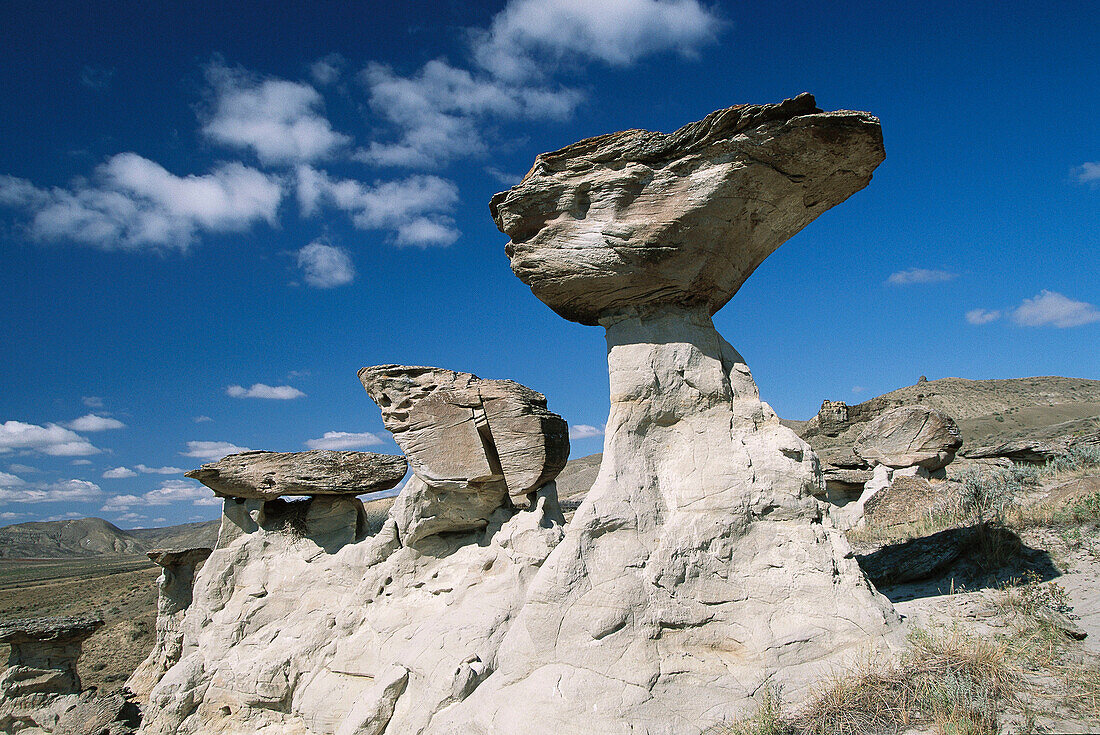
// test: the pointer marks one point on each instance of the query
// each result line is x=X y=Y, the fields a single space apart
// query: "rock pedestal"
x=699 y=567
x=43 y=657
x=270 y=475
x=174 y=595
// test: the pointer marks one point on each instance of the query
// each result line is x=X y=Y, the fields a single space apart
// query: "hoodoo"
x=699 y=567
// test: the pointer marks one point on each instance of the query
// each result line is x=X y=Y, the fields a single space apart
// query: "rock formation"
x=269 y=475
x=40 y=690
x=43 y=655
x=698 y=568
x=174 y=596
x=910 y=436
x=303 y=622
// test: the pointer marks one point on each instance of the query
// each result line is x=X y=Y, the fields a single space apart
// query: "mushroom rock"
x=174 y=596
x=458 y=429
x=43 y=655
x=699 y=567
x=909 y=436
x=269 y=475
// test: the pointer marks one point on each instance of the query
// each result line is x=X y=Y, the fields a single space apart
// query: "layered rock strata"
x=174 y=596
x=270 y=475
x=43 y=656
x=303 y=624
x=699 y=567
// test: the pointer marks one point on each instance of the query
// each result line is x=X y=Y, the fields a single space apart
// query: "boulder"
x=908 y=436
x=459 y=430
x=269 y=475
x=699 y=567
x=174 y=596
x=908 y=499
x=642 y=219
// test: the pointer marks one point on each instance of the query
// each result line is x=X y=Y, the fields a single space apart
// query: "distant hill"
x=62 y=539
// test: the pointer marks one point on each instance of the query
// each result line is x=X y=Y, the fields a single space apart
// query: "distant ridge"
x=91 y=537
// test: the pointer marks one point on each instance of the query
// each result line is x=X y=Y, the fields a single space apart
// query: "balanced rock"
x=641 y=219
x=174 y=596
x=910 y=436
x=698 y=568
x=457 y=429
x=269 y=475
x=43 y=656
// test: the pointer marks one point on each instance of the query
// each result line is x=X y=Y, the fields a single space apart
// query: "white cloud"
x=858 y=389
x=213 y=500
x=528 y=33
x=135 y=204
x=92 y=401
x=1088 y=172
x=119 y=473
x=325 y=71
x=1055 y=310
x=146 y=470
x=325 y=266
x=438 y=112
x=343 y=440
x=79 y=462
x=24 y=469
x=117 y=503
x=260 y=390
x=584 y=431
x=412 y=208
x=65 y=516
x=132 y=518
x=174 y=491
x=9 y=516
x=92 y=422
x=51 y=439
x=64 y=491
x=982 y=316
x=920 y=275
x=212 y=450
x=8 y=480
x=280 y=121
x=201 y=419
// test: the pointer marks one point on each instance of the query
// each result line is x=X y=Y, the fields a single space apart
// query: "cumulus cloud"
x=57 y=492
x=527 y=33
x=119 y=473
x=920 y=275
x=982 y=316
x=24 y=469
x=93 y=422
x=1053 y=309
x=174 y=491
x=212 y=450
x=9 y=480
x=325 y=266
x=412 y=208
x=135 y=204
x=146 y=470
x=438 y=113
x=282 y=122
x=1088 y=172
x=584 y=431
x=92 y=401
x=117 y=503
x=343 y=440
x=51 y=439
x=9 y=516
x=260 y=390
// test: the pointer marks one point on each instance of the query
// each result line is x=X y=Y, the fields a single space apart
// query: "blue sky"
x=213 y=214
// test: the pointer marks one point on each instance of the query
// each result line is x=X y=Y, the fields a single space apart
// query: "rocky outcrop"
x=43 y=655
x=698 y=567
x=40 y=690
x=174 y=595
x=460 y=431
x=910 y=436
x=269 y=475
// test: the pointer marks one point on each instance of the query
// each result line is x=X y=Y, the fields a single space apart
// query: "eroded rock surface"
x=174 y=596
x=910 y=436
x=638 y=218
x=699 y=565
x=269 y=475
x=459 y=430
x=43 y=656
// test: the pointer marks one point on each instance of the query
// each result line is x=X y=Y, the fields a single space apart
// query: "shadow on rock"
x=971 y=558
